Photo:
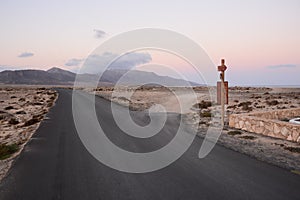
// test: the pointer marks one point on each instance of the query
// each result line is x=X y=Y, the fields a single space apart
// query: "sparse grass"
x=234 y=133
x=7 y=150
x=293 y=149
x=248 y=137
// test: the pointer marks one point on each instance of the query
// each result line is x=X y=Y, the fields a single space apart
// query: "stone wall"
x=267 y=123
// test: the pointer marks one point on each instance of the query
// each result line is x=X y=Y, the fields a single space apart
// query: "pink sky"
x=251 y=35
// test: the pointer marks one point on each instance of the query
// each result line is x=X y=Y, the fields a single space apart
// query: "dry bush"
x=272 y=103
x=203 y=104
x=13 y=121
x=8 y=108
x=234 y=133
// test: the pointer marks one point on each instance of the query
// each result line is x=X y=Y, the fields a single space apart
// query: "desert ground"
x=21 y=111
x=23 y=108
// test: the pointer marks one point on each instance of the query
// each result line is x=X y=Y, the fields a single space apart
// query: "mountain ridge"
x=58 y=76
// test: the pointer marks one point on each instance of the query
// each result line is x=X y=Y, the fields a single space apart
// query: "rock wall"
x=267 y=123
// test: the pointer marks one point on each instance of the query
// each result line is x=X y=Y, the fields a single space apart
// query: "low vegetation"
x=234 y=133
x=293 y=149
x=9 y=108
x=203 y=104
x=206 y=114
x=245 y=105
x=32 y=121
x=7 y=150
x=272 y=103
x=13 y=121
x=248 y=137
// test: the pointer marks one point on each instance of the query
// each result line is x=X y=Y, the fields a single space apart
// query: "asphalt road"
x=56 y=165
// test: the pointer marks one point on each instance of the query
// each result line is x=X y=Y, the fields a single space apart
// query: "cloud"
x=99 y=33
x=281 y=66
x=25 y=55
x=73 y=62
x=97 y=63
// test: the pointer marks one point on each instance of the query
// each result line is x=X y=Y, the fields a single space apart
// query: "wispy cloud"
x=25 y=55
x=74 y=62
x=99 y=33
x=281 y=66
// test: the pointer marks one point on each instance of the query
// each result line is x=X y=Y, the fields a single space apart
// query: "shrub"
x=246 y=105
x=13 y=121
x=7 y=150
x=234 y=133
x=293 y=149
x=21 y=112
x=8 y=108
x=22 y=99
x=285 y=120
x=32 y=121
x=248 y=137
x=203 y=104
x=206 y=114
x=272 y=103
x=231 y=107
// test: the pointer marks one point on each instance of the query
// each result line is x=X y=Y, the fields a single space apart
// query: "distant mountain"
x=62 y=74
x=30 y=77
x=57 y=76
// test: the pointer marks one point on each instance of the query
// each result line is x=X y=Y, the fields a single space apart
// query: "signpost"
x=222 y=90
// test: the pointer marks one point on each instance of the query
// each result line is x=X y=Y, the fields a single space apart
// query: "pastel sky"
x=258 y=38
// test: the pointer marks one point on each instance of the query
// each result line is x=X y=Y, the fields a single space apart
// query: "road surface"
x=56 y=165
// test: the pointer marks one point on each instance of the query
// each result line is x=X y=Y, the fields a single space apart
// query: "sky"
x=258 y=38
